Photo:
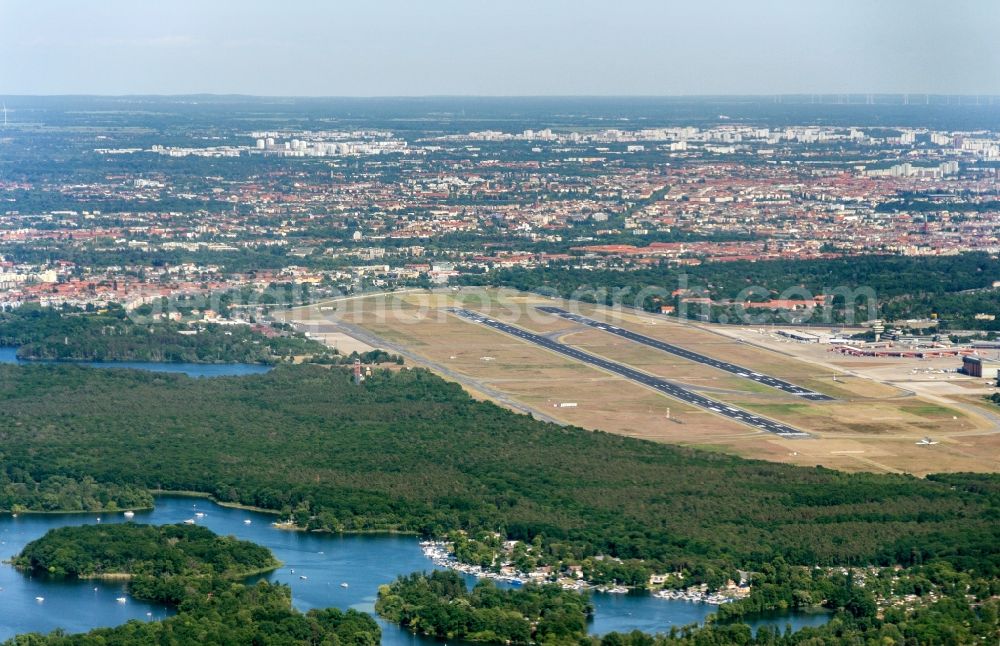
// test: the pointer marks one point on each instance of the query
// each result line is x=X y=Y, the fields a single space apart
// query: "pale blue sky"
x=499 y=47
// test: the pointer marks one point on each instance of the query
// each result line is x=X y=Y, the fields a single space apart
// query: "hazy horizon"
x=856 y=98
x=584 y=48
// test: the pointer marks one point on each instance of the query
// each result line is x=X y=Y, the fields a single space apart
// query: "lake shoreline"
x=72 y=361
x=288 y=526
x=315 y=565
x=282 y=525
x=42 y=512
x=212 y=499
x=8 y=355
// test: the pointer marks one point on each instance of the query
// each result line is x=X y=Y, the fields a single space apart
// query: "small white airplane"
x=926 y=442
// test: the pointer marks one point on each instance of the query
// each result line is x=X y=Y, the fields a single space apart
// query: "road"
x=684 y=353
x=656 y=383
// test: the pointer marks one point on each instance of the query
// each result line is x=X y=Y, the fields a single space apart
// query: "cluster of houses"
x=571 y=577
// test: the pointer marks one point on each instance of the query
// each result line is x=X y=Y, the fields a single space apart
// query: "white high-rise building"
x=939 y=139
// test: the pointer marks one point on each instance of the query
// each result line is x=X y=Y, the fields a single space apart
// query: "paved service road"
x=656 y=383
x=773 y=382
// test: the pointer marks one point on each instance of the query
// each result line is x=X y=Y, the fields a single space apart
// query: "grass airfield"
x=872 y=425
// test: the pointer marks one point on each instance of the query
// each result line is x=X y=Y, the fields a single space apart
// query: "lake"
x=9 y=355
x=326 y=560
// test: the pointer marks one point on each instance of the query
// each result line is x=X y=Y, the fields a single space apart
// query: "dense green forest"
x=143 y=550
x=19 y=492
x=370 y=357
x=955 y=288
x=199 y=573
x=440 y=605
x=45 y=333
x=409 y=451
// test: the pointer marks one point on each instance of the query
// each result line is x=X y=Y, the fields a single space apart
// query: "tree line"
x=952 y=288
x=19 y=492
x=440 y=605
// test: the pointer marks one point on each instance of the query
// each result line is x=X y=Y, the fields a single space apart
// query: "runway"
x=656 y=383
x=684 y=353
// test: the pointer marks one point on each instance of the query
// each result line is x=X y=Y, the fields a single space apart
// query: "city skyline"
x=394 y=48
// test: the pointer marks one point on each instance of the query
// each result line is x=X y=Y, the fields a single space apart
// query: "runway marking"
x=656 y=383
x=679 y=351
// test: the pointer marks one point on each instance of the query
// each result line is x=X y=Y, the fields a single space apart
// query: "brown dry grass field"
x=872 y=425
